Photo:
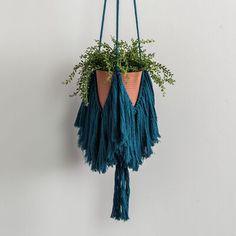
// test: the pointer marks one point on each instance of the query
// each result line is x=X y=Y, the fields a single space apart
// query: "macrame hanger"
x=119 y=141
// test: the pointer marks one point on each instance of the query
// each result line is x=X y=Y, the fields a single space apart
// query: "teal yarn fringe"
x=118 y=134
x=120 y=210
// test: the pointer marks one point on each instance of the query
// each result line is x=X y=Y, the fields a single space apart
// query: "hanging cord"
x=137 y=26
x=117 y=31
x=117 y=26
x=102 y=24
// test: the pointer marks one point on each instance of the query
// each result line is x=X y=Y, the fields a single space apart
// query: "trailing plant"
x=102 y=56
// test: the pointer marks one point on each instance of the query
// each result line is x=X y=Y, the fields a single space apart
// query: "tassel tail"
x=120 y=209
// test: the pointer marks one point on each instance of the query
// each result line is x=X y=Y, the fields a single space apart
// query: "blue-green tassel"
x=120 y=209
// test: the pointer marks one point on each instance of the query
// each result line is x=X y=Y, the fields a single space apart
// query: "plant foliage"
x=103 y=57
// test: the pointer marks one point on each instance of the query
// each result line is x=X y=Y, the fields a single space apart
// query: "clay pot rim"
x=131 y=72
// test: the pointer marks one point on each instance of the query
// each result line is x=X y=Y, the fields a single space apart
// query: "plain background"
x=187 y=188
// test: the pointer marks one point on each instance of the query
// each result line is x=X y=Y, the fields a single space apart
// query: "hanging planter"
x=117 y=121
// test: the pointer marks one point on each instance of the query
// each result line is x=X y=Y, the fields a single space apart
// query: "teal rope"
x=117 y=26
x=117 y=30
x=137 y=26
x=102 y=24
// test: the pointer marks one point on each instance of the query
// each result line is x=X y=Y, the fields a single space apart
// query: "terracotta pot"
x=131 y=82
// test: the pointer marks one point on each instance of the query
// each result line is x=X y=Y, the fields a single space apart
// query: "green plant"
x=103 y=57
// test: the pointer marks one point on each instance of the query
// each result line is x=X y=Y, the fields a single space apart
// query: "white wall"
x=187 y=188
